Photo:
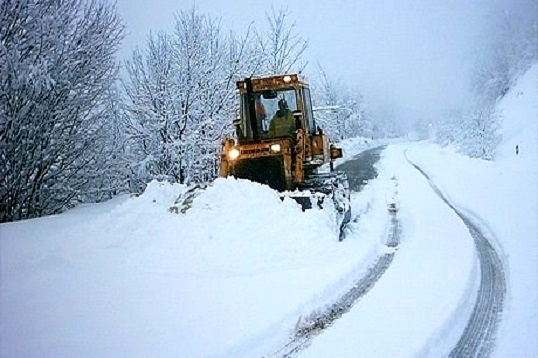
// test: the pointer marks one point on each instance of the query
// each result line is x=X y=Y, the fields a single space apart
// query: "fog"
x=410 y=58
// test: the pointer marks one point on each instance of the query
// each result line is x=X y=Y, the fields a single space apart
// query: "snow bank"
x=230 y=277
x=504 y=194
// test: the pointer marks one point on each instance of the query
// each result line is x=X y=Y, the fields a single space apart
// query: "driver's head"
x=282 y=104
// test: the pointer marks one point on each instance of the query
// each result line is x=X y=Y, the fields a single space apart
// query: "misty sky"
x=409 y=57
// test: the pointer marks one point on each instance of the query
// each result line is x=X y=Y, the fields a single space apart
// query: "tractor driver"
x=283 y=122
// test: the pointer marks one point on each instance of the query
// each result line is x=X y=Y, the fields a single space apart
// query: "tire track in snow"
x=314 y=325
x=360 y=169
x=478 y=337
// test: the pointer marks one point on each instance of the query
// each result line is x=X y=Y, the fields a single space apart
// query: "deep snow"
x=236 y=273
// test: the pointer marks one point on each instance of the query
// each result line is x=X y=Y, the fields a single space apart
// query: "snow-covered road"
x=422 y=303
x=479 y=336
x=360 y=170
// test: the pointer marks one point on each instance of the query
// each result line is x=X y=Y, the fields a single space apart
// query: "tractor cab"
x=259 y=106
x=282 y=153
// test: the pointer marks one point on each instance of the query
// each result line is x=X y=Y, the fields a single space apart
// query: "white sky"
x=409 y=57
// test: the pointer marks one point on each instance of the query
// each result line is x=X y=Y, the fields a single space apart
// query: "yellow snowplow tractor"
x=278 y=143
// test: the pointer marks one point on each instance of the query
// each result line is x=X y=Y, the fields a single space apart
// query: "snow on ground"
x=230 y=277
x=504 y=194
x=235 y=273
x=417 y=295
x=392 y=320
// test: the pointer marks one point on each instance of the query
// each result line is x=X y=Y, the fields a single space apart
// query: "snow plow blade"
x=326 y=189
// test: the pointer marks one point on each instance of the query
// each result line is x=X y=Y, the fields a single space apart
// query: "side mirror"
x=336 y=152
x=238 y=131
x=297 y=115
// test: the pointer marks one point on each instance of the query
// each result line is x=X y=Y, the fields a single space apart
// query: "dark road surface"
x=360 y=168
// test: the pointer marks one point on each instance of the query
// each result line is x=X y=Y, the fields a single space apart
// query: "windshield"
x=266 y=105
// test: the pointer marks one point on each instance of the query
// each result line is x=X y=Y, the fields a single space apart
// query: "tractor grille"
x=264 y=170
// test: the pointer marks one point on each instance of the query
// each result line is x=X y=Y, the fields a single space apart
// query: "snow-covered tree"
x=446 y=130
x=341 y=112
x=181 y=99
x=282 y=46
x=154 y=122
x=508 y=48
x=56 y=67
x=111 y=174
x=473 y=131
x=480 y=129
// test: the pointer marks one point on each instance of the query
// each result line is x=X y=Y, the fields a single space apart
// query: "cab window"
x=266 y=106
x=309 y=116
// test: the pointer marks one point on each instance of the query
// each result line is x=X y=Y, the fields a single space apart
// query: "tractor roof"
x=273 y=82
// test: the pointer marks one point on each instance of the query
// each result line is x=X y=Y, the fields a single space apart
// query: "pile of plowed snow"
x=232 y=226
x=230 y=276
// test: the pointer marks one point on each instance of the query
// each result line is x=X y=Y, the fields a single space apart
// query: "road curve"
x=478 y=338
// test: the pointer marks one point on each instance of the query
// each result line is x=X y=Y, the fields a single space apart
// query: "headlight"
x=287 y=78
x=233 y=154
x=275 y=148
